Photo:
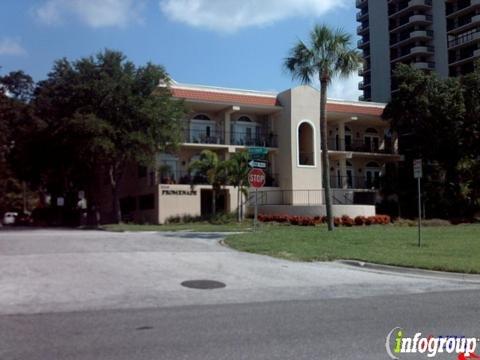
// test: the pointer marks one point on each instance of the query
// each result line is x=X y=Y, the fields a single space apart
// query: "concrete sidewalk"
x=68 y=270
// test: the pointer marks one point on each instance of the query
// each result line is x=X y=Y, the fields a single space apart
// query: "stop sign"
x=256 y=178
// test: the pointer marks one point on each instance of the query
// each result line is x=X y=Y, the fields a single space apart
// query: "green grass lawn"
x=194 y=226
x=446 y=248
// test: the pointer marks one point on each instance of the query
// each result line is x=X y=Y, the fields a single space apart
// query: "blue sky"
x=231 y=43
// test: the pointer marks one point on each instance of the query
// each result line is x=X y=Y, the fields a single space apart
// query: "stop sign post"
x=256 y=179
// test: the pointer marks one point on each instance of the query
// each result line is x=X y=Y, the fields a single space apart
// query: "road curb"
x=411 y=271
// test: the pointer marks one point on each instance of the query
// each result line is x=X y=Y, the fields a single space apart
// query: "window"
x=244 y=119
x=201 y=117
x=306 y=144
x=146 y=202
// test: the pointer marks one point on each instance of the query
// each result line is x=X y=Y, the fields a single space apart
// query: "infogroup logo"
x=397 y=344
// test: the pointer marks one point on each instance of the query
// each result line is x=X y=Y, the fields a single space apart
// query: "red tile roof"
x=355 y=109
x=226 y=97
x=259 y=100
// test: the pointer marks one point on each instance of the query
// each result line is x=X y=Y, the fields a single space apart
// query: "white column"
x=227 y=123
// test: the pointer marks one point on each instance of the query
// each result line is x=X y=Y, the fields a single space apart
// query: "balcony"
x=421 y=50
x=464 y=39
x=355 y=182
x=362 y=15
x=367 y=145
x=360 y=3
x=426 y=34
x=424 y=65
x=204 y=136
x=412 y=4
x=363 y=42
x=457 y=11
x=414 y=19
x=465 y=25
x=217 y=137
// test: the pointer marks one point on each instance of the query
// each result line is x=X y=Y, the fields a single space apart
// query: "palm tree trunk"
x=214 y=201
x=239 y=215
x=325 y=160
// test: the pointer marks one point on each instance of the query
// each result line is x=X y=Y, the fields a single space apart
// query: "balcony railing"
x=247 y=139
x=355 y=182
x=236 y=138
x=313 y=197
x=366 y=146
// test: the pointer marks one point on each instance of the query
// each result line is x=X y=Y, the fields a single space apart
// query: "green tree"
x=327 y=54
x=17 y=126
x=105 y=112
x=214 y=169
x=238 y=176
x=428 y=115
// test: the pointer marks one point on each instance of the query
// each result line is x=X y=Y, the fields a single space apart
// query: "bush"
x=345 y=220
x=360 y=220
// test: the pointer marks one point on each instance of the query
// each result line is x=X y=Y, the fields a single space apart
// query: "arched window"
x=373 y=164
x=244 y=118
x=201 y=117
x=306 y=144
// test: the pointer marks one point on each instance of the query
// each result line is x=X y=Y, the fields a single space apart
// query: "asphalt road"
x=98 y=295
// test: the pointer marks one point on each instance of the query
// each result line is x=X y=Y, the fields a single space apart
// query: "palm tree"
x=327 y=54
x=238 y=177
x=215 y=171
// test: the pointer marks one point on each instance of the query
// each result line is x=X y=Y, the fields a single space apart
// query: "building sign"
x=180 y=192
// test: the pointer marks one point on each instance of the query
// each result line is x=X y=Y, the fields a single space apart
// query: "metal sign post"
x=255 y=219
x=256 y=179
x=417 y=174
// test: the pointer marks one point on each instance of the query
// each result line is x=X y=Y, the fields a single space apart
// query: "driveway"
x=46 y=271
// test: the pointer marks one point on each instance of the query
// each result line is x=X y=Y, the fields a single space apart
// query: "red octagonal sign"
x=256 y=178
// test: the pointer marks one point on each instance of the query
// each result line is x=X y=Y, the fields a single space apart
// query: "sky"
x=226 y=43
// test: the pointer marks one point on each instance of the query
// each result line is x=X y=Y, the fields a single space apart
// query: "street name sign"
x=417 y=168
x=258 y=164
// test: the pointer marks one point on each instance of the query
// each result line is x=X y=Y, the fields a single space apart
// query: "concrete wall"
x=440 y=38
x=179 y=200
x=379 y=50
x=318 y=210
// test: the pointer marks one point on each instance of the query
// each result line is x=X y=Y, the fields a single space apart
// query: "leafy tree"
x=215 y=170
x=104 y=112
x=428 y=113
x=327 y=54
x=238 y=176
x=17 y=125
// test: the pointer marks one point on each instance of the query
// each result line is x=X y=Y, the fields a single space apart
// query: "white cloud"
x=9 y=46
x=231 y=15
x=345 y=89
x=94 y=13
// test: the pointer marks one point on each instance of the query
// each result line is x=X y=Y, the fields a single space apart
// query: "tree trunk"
x=116 y=210
x=325 y=160
x=214 y=201
x=239 y=214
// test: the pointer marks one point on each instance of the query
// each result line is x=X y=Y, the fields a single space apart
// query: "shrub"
x=347 y=221
x=360 y=220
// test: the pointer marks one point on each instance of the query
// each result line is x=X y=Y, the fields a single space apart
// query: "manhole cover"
x=203 y=284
